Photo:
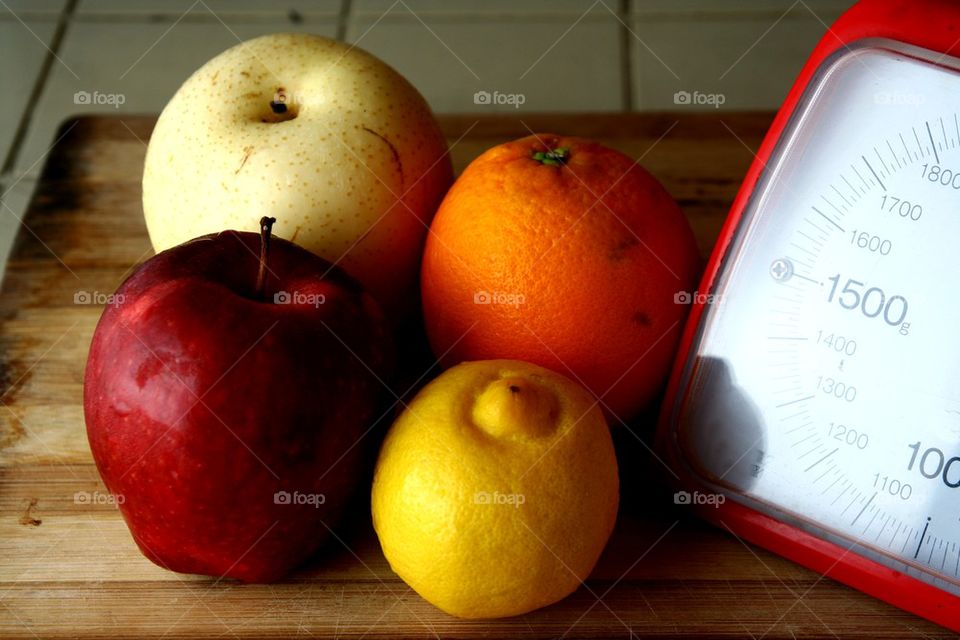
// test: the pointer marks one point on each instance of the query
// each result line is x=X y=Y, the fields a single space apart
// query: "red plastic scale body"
x=929 y=24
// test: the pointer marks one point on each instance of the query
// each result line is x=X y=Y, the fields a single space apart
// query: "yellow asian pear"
x=323 y=136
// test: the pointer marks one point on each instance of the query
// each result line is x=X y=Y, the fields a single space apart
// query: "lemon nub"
x=514 y=406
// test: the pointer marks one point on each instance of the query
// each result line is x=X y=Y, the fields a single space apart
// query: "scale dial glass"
x=823 y=386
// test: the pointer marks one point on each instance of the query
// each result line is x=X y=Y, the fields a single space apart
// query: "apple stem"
x=266 y=224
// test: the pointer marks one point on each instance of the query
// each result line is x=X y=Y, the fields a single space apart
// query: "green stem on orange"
x=554 y=158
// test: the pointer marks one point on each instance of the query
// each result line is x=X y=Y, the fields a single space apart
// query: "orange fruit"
x=564 y=253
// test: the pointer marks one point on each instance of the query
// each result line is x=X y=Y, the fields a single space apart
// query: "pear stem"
x=266 y=224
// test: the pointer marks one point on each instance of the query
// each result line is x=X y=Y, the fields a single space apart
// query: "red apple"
x=227 y=402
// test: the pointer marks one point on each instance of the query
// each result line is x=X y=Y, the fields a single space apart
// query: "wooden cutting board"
x=69 y=568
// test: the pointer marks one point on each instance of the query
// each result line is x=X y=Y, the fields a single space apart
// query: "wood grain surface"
x=69 y=568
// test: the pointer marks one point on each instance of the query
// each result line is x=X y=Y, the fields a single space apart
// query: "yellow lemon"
x=496 y=489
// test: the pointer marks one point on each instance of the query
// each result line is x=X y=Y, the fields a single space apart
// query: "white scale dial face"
x=825 y=381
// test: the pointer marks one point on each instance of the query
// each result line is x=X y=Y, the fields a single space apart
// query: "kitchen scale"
x=815 y=405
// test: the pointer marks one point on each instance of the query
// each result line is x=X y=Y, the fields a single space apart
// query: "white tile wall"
x=543 y=60
x=740 y=6
x=25 y=8
x=143 y=63
x=223 y=8
x=467 y=7
x=24 y=48
x=750 y=60
x=560 y=55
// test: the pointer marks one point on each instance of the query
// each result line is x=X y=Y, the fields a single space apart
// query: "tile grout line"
x=195 y=17
x=626 y=66
x=342 y=19
x=38 y=85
